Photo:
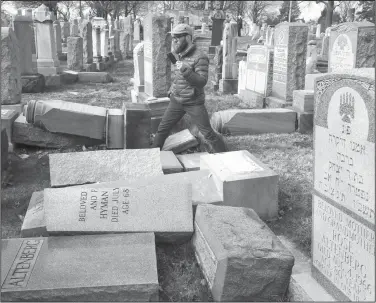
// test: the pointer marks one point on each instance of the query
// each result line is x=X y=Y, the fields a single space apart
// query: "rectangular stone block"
x=61 y=268
x=241 y=258
x=191 y=161
x=244 y=181
x=111 y=165
x=34 y=224
x=7 y=118
x=344 y=183
x=180 y=141
x=254 y=121
x=170 y=164
x=159 y=208
x=29 y=134
x=137 y=125
x=303 y=100
x=94 y=77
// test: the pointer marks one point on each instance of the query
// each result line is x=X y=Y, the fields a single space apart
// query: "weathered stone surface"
x=75 y=53
x=218 y=17
x=344 y=182
x=180 y=141
x=351 y=45
x=86 y=30
x=111 y=165
x=230 y=43
x=304 y=122
x=114 y=128
x=254 y=121
x=69 y=76
x=244 y=181
x=157 y=43
x=137 y=124
x=94 y=77
x=191 y=161
x=170 y=164
x=28 y=134
x=289 y=59
x=11 y=85
x=57 y=34
x=135 y=208
x=7 y=118
x=61 y=268
x=33 y=83
x=4 y=149
x=34 y=224
x=52 y=80
x=241 y=258
x=303 y=100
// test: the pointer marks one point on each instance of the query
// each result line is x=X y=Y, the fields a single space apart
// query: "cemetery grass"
x=180 y=278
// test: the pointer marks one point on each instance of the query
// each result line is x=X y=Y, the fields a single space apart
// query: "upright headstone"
x=96 y=35
x=104 y=42
x=157 y=43
x=86 y=32
x=74 y=28
x=352 y=45
x=11 y=85
x=126 y=37
x=259 y=75
x=61 y=268
x=75 y=53
x=57 y=33
x=23 y=29
x=29 y=12
x=289 y=63
x=343 y=241
x=117 y=53
x=217 y=30
x=229 y=81
x=137 y=29
x=270 y=37
x=47 y=61
x=65 y=27
x=324 y=53
x=318 y=31
x=138 y=61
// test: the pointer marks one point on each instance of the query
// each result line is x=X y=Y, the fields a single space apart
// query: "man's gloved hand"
x=182 y=66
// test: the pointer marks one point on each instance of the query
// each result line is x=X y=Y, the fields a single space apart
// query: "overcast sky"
x=308 y=12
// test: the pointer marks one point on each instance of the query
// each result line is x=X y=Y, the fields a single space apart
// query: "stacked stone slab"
x=352 y=45
x=343 y=203
x=11 y=85
x=229 y=82
x=241 y=259
x=289 y=63
x=47 y=61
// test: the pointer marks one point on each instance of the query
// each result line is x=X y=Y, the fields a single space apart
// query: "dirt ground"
x=179 y=274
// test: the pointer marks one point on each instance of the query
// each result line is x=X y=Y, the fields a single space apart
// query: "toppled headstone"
x=69 y=76
x=29 y=134
x=7 y=119
x=241 y=258
x=114 y=128
x=11 y=85
x=191 y=161
x=254 y=121
x=244 y=181
x=137 y=125
x=70 y=118
x=180 y=141
x=80 y=268
x=94 y=77
x=110 y=165
x=170 y=164
x=34 y=224
x=163 y=208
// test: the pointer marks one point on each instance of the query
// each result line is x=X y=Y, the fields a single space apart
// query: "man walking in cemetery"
x=187 y=90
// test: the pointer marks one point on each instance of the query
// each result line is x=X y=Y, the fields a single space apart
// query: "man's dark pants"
x=199 y=116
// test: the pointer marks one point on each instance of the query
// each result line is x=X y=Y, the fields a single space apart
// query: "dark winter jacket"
x=189 y=82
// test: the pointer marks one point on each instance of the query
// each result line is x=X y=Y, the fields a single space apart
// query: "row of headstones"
x=174 y=207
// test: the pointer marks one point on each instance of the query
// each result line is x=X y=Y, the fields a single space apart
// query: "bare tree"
x=343 y=8
x=256 y=10
x=65 y=8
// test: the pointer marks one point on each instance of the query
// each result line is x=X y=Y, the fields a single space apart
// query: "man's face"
x=180 y=43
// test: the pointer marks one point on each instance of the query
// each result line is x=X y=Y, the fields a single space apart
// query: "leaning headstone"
x=180 y=141
x=290 y=48
x=70 y=118
x=134 y=208
x=47 y=61
x=229 y=81
x=254 y=121
x=31 y=135
x=244 y=181
x=218 y=18
x=11 y=85
x=61 y=268
x=343 y=239
x=157 y=43
x=352 y=45
x=241 y=258
x=77 y=168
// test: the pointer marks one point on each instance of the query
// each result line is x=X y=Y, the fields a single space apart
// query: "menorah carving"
x=346 y=107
